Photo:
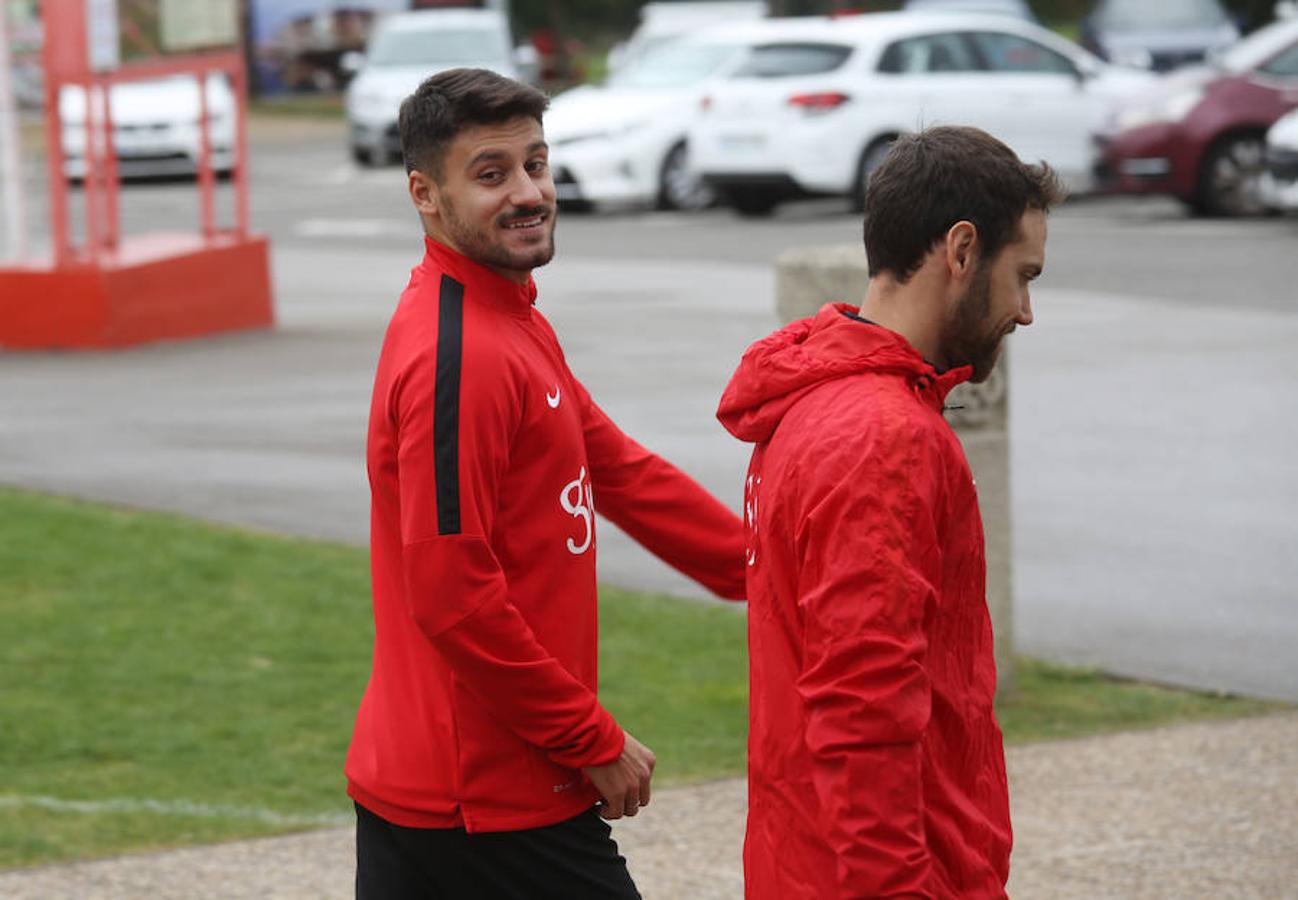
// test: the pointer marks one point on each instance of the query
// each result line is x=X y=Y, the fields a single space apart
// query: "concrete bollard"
x=809 y=277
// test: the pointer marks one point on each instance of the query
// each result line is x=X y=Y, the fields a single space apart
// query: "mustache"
x=527 y=212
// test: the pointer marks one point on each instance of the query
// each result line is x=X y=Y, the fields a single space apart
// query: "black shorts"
x=573 y=860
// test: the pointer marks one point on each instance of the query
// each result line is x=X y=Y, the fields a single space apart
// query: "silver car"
x=406 y=48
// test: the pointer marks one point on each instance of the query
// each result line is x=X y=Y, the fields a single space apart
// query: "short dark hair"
x=448 y=102
x=943 y=175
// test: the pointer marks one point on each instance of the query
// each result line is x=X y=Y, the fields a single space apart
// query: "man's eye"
x=538 y=165
x=490 y=176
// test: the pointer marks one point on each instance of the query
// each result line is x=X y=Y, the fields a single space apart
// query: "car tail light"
x=820 y=102
x=705 y=104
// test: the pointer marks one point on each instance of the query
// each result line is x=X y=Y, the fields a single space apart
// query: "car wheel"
x=364 y=156
x=678 y=187
x=870 y=159
x=752 y=203
x=1230 y=178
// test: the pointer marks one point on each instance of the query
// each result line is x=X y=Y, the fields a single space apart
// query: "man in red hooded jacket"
x=876 y=766
x=481 y=748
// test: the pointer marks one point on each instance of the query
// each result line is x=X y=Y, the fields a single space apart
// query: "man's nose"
x=525 y=191
x=1025 y=311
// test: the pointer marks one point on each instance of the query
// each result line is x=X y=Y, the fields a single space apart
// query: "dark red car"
x=1201 y=134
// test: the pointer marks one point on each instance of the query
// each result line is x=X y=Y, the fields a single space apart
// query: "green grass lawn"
x=168 y=682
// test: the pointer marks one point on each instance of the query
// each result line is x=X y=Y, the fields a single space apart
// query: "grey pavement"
x=1194 y=812
x=1155 y=490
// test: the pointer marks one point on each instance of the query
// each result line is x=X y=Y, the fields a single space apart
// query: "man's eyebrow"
x=491 y=155
x=487 y=156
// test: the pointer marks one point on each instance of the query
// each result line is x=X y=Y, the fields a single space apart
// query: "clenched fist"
x=624 y=783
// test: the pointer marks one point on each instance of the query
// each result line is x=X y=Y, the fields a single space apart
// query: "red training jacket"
x=486 y=458
x=875 y=763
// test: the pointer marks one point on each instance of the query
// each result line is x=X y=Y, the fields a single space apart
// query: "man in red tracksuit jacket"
x=876 y=766
x=481 y=749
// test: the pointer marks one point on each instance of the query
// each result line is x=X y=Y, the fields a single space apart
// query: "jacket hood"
x=778 y=370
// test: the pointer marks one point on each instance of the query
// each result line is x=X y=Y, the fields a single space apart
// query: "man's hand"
x=624 y=783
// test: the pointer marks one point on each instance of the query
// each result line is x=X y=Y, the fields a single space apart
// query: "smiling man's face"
x=495 y=201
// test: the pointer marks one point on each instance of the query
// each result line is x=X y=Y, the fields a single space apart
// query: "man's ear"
x=424 y=193
x=961 y=247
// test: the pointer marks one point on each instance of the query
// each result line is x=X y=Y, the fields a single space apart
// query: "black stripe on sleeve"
x=446 y=405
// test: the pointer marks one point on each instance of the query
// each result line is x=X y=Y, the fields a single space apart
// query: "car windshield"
x=1250 y=52
x=675 y=64
x=1142 y=15
x=436 y=45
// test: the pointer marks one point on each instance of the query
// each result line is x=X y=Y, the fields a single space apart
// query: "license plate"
x=135 y=150
x=742 y=143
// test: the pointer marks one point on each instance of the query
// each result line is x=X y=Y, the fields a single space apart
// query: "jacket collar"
x=490 y=286
x=881 y=348
x=833 y=344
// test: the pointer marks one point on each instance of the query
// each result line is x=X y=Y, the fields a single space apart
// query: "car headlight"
x=1171 y=109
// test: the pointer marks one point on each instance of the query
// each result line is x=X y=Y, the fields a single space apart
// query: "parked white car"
x=625 y=142
x=404 y=49
x=761 y=142
x=1280 y=184
x=155 y=126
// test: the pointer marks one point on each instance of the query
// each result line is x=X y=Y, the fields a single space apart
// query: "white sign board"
x=102 y=36
x=189 y=24
x=13 y=238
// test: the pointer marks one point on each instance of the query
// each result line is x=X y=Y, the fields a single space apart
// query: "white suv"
x=761 y=141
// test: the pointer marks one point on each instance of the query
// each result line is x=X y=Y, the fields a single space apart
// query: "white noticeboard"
x=102 y=35
x=188 y=24
x=13 y=239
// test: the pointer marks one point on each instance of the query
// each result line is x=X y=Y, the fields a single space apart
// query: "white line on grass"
x=186 y=808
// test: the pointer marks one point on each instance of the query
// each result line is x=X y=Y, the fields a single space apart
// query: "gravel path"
x=1192 y=811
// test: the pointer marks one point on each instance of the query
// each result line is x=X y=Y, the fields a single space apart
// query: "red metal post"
x=64 y=57
x=91 y=187
x=239 y=84
x=112 y=217
x=206 y=179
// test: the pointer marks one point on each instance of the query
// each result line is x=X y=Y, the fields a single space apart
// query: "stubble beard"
x=965 y=338
x=478 y=245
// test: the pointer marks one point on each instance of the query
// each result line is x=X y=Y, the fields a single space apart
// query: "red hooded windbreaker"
x=875 y=763
x=486 y=457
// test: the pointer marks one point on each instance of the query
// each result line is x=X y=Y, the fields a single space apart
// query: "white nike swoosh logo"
x=552 y=399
